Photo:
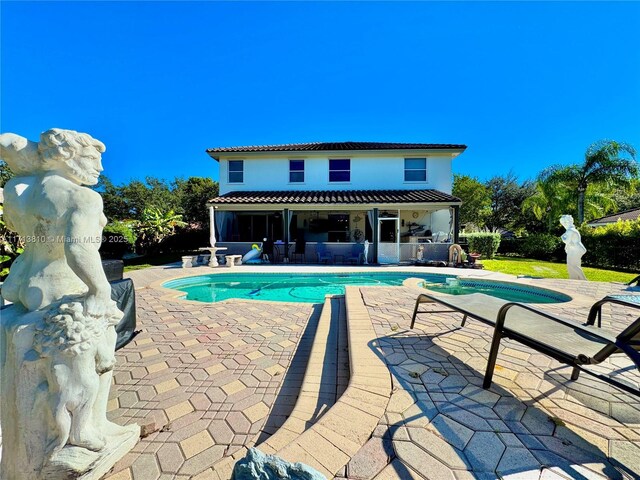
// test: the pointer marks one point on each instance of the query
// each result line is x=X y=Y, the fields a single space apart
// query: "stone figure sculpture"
x=366 y=252
x=574 y=248
x=58 y=336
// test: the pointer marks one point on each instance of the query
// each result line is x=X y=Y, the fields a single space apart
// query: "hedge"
x=542 y=246
x=485 y=243
x=613 y=246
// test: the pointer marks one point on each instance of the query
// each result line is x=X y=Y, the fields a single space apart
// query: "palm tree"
x=607 y=163
x=553 y=198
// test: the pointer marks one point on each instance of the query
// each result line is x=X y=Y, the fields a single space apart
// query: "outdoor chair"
x=323 y=254
x=357 y=253
x=567 y=341
x=300 y=250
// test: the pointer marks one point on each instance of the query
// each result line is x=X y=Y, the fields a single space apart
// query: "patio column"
x=285 y=224
x=375 y=235
x=456 y=224
x=212 y=226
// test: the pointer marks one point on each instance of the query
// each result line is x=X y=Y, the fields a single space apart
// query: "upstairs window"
x=340 y=170
x=415 y=169
x=236 y=171
x=296 y=171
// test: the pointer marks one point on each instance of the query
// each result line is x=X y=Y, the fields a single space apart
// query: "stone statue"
x=574 y=248
x=59 y=334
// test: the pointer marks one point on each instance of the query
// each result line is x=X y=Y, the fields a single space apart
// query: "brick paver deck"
x=532 y=424
x=206 y=375
x=217 y=377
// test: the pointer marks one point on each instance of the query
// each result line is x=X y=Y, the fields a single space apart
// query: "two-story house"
x=392 y=194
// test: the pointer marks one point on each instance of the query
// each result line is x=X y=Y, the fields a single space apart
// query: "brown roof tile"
x=336 y=197
x=336 y=146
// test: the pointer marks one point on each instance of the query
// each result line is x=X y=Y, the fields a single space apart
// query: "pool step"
x=327 y=438
x=334 y=439
x=325 y=378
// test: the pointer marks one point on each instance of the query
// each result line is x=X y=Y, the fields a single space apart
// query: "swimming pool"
x=312 y=288
x=512 y=292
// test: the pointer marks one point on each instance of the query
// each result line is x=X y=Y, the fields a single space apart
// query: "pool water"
x=512 y=292
x=312 y=288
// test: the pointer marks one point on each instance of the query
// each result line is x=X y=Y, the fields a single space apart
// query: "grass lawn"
x=145 y=261
x=540 y=268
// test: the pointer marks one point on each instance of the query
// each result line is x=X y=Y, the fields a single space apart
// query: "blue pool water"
x=312 y=288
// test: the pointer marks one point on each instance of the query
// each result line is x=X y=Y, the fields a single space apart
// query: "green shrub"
x=119 y=238
x=616 y=245
x=485 y=243
x=510 y=246
x=542 y=246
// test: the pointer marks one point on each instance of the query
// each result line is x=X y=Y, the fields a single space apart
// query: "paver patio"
x=533 y=423
x=206 y=375
x=217 y=377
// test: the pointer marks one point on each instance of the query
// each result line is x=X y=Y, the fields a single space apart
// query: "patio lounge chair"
x=323 y=254
x=567 y=341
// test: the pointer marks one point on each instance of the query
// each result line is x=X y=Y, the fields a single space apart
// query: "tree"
x=126 y=202
x=507 y=196
x=476 y=199
x=114 y=204
x=628 y=198
x=152 y=193
x=607 y=163
x=193 y=195
x=554 y=198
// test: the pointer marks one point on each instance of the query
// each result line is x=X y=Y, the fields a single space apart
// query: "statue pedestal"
x=52 y=402
x=79 y=463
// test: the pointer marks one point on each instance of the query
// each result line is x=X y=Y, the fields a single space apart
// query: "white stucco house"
x=395 y=195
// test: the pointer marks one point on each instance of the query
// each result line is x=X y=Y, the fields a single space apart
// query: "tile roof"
x=336 y=197
x=336 y=146
x=632 y=214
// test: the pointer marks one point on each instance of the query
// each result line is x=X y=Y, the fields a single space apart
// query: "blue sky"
x=524 y=85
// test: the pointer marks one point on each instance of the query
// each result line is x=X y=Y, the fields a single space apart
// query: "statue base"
x=76 y=463
x=54 y=400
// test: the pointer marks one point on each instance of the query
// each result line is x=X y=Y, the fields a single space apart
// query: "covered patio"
x=394 y=222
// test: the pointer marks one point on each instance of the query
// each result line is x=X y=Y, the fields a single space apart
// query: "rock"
x=258 y=466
